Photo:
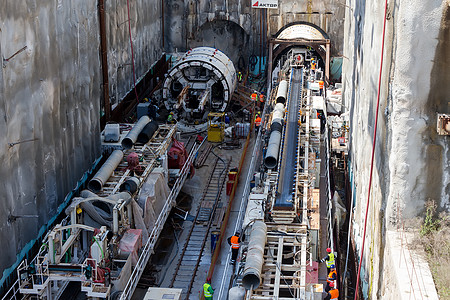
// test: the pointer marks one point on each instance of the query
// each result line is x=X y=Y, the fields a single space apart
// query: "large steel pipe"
x=282 y=92
x=130 y=139
x=147 y=132
x=105 y=171
x=255 y=256
x=271 y=159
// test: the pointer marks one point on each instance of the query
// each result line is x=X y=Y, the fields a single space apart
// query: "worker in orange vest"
x=234 y=241
x=321 y=84
x=313 y=67
x=333 y=293
x=332 y=276
x=257 y=122
x=261 y=98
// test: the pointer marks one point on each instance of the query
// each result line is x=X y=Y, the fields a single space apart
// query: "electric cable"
x=281 y=273
x=373 y=150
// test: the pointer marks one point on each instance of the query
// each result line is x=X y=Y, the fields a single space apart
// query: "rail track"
x=185 y=275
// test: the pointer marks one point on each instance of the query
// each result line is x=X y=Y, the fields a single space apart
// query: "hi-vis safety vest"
x=206 y=287
x=234 y=242
x=258 y=121
x=334 y=293
x=330 y=276
x=331 y=261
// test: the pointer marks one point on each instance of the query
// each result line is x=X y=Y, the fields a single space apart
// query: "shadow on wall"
x=438 y=152
x=227 y=36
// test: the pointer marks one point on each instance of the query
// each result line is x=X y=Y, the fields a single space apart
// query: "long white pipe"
x=255 y=256
x=282 y=92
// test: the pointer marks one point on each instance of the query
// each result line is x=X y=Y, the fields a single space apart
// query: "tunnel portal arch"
x=300 y=34
x=225 y=35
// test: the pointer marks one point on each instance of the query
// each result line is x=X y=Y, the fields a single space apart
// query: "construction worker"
x=333 y=293
x=207 y=289
x=227 y=119
x=170 y=118
x=257 y=122
x=329 y=259
x=234 y=241
x=239 y=76
x=321 y=84
x=313 y=67
x=332 y=276
x=254 y=96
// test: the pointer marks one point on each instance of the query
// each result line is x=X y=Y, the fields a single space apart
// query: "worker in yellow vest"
x=240 y=76
x=329 y=259
x=333 y=293
x=208 y=291
x=234 y=241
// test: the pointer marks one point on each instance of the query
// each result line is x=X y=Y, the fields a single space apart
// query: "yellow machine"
x=216 y=127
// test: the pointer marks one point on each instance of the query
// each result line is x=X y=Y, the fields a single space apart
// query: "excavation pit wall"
x=411 y=162
x=50 y=102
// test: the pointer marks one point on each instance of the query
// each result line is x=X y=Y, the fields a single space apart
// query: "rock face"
x=50 y=95
x=411 y=161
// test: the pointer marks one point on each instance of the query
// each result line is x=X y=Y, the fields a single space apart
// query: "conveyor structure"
x=282 y=220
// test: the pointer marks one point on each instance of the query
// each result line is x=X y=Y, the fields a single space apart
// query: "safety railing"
x=159 y=224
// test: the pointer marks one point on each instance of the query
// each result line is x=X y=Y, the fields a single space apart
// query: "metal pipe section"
x=131 y=185
x=105 y=171
x=255 y=256
x=130 y=139
x=282 y=92
x=147 y=132
x=271 y=159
